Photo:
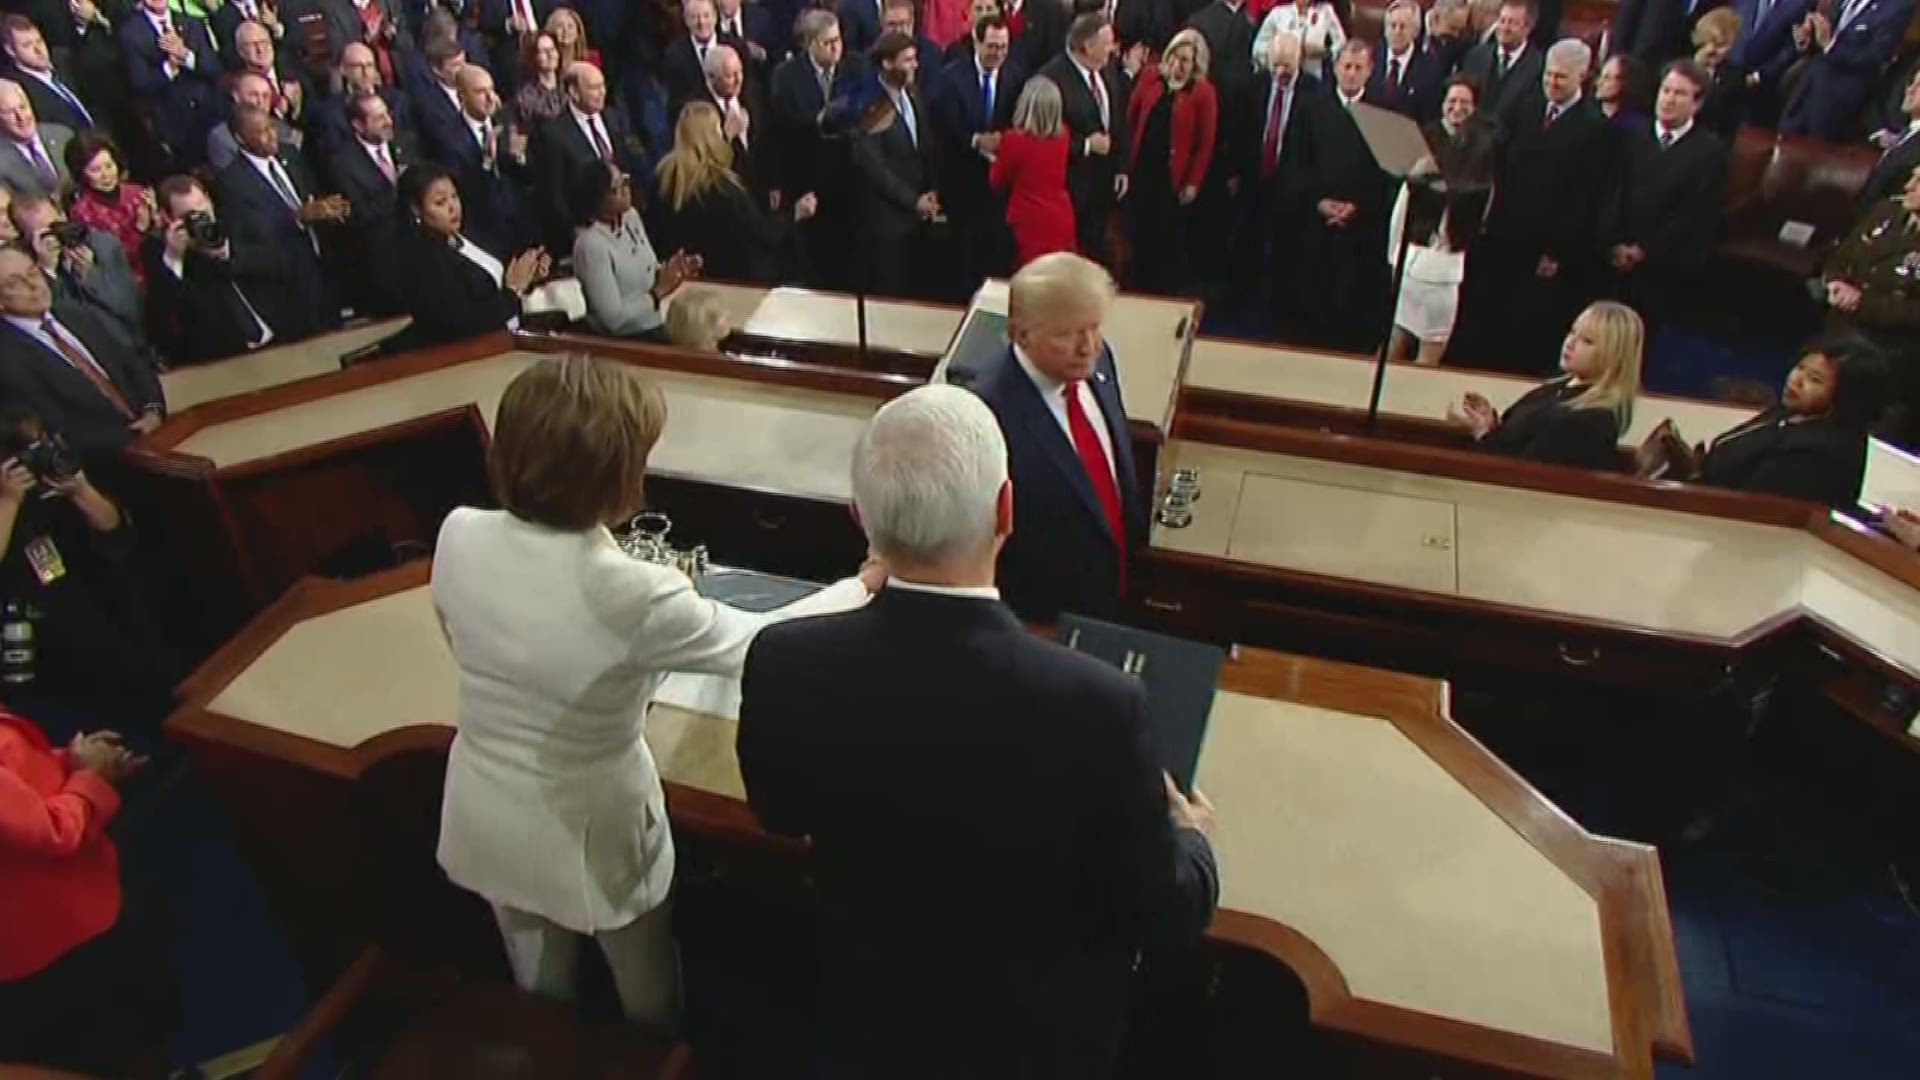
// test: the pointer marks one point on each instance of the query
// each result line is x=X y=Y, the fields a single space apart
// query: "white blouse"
x=484 y=259
x=1320 y=25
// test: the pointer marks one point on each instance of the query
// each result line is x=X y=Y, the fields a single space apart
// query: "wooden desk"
x=1437 y=908
x=198 y=384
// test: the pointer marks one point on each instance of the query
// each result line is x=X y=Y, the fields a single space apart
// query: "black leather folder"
x=1180 y=677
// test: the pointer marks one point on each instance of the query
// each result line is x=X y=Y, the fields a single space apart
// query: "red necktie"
x=82 y=363
x=386 y=163
x=1093 y=457
x=1100 y=99
x=1270 y=148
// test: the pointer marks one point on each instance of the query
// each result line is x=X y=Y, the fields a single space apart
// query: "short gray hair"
x=715 y=57
x=1038 y=111
x=812 y=23
x=927 y=475
x=1572 y=54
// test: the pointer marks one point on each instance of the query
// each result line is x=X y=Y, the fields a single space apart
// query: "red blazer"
x=1196 y=123
x=1034 y=173
x=61 y=872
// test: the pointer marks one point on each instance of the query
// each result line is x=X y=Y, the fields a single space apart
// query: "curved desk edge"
x=1642 y=970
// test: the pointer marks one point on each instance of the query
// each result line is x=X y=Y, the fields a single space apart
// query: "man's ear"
x=1003 y=510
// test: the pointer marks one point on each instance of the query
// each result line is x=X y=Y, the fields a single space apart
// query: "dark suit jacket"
x=1816 y=460
x=859 y=24
x=183 y=108
x=202 y=317
x=271 y=251
x=1044 y=893
x=1839 y=81
x=449 y=298
x=732 y=230
x=1229 y=33
x=1417 y=95
x=51 y=108
x=1551 y=180
x=956 y=107
x=1766 y=46
x=682 y=73
x=443 y=133
x=811 y=130
x=561 y=151
x=1540 y=427
x=1498 y=95
x=1063 y=556
x=1652 y=31
x=754 y=161
x=328 y=128
x=1890 y=173
x=497 y=207
x=368 y=236
x=1667 y=201
x=763 y=29
x=1090 y=177
x=895 y=170
x=40 y=378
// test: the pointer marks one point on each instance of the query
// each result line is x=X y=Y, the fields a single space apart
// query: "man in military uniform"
x=1872 y=285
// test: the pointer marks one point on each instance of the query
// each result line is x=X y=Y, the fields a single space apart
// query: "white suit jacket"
x=560 y=639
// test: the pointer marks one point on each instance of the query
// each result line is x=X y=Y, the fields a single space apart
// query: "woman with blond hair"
x=705 y=207
x=1031 y=166
x=1174 y=117
x=554 y=813
x=569 y=32
x=1576 y=419
x=1713 y=39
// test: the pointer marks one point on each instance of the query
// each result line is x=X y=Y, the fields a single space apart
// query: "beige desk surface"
x=736 y=431
x=1892 y=478
x=791 y=314
x=198 y=384
x=1336 y=825
x=1275 y=371
x=1588 y=558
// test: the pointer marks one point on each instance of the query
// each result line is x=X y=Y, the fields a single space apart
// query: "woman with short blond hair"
x=1714 y=37
x=554 y=811
x=1578 y=418
x=705 y=208
x=1031 y=166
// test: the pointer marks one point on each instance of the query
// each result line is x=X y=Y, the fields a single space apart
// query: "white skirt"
x=1430 y=295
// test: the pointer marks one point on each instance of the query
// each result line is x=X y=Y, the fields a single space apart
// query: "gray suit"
x=17 y=170
x=108 y=292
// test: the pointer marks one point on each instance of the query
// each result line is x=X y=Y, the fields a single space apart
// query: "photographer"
x=66 y=568
x=87 y=267
x=197 y=307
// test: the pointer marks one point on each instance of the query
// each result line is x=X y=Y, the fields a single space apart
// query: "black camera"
x=47 y=457
x=71 y=234
x=203 y=230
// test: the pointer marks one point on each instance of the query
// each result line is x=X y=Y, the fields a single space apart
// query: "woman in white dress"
x=1315 y=23
x=1444 y=219
x=554 y=811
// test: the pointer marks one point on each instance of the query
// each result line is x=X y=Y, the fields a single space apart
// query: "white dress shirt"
x=1053 y=392
x=1677 y=134
x=491 y=266
x=966 y=592
x=560 y=640
x=593 y=127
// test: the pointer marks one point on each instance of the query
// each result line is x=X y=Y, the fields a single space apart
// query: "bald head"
x=254 y=43
x=16 y=112
x=586 y=86
x=1283 y=56
x=359 y=71
x=251 y=89
x=475 y=87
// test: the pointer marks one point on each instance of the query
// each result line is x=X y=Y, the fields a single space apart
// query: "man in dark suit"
x=504 y=25
x=1506 y=65
x=1899 y=151
x=1845 y=53
x=1651 y=31
x=894 y=156
x=898 y=16
x=436 y=101
x=64 y=366
x=196 y=308
x=745 y=122
x=1534 y=268
x=54 y=99
x=1045 y=893
x=684 y=68
x=364 y=170
x=272 y=205
x=1229 y=34
x=972 y=103
x=1267 y=152
x=860 y=22
x=327 y=122
x=817 y=98
x=1332 y=276
x=762 y=41
x=1405 y=79
x=1446 y=34
x=1093 y=98
x=591 y=131
x=1663 y=212
x=490 y=165
x=171 y=67
x=1057 y=396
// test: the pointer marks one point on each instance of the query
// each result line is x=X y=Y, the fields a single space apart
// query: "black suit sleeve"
x=770 y=766
x=1164 y=880
x=1576 y=438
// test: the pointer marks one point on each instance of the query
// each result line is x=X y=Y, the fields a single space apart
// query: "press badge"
x=45 y=560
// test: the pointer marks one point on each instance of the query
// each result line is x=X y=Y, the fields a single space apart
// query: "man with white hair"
x=955 y=771
x=1404 y=79
x=1057 y=394
x=1536 y=259
x=32 y=154
x=743 y=120
x=683 y=67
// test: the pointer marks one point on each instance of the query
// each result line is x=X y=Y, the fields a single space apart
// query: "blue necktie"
x=67 y=96
x=986 y=99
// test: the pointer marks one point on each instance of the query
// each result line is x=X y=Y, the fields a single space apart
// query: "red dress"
x=115 y=216
x=61 y=871
x=1034 y=173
